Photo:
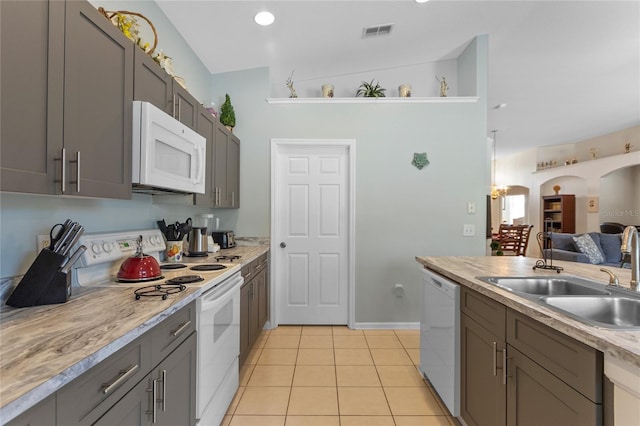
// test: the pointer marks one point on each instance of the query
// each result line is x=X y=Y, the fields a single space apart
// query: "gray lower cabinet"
x=517 y=371
x=158 y=366
x=164 y=397
x=254 y=303
x=42 y=414
x=67 y=93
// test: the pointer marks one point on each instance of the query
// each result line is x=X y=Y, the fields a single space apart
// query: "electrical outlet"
x=471 y=207
x=468 y=230
x=43 y=242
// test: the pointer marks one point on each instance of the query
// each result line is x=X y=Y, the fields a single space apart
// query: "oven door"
x=218 y=319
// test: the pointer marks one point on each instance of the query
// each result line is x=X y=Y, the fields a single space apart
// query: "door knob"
x=283 y=244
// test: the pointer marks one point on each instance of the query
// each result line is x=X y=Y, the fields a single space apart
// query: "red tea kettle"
x=139 y=267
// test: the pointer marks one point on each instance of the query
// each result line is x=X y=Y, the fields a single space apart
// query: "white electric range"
x=217 y=309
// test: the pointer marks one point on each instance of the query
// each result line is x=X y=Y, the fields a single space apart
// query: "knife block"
x=43 y=284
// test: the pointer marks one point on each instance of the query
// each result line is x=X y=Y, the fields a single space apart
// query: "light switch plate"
x=471 y=207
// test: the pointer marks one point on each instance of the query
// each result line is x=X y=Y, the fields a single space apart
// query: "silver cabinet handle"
x=77 y=181
x=173 y=103
x=504 y=366
x=124 y=375
x=180 y=329
x=164 y=390
x=233 y=198
x=154 y=397
x=63 y=169
x=495 y=358
x=179 y=105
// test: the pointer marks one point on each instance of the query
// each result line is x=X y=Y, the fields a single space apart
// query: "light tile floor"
x=334 y=376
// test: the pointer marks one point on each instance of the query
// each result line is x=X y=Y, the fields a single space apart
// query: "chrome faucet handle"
x=613 y=278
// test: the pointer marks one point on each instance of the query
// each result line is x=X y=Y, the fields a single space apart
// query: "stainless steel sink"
x=603 y=311
x=548 y=286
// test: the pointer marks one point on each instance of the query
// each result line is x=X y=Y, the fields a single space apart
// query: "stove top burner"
x=158 y=290
x=185 y=279
x=230 y=258
x=196 y=254
x=139 y=280
x=208 y=267
x=173 y=266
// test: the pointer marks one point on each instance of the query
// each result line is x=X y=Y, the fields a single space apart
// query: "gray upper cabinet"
x=151 y=83
x=206 y=126
x=185 y=106
x=226 y=169
x=67 y=93
x=98 y=105
x=31 y=101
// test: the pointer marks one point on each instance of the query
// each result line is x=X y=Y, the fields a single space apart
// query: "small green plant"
x=371 y=90
x=227 y=114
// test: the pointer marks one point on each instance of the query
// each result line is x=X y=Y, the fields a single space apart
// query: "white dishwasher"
x=440 y=337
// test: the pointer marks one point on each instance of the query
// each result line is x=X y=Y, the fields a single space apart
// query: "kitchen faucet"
x=631 y=244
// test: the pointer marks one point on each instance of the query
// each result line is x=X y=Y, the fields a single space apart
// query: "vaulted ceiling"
x=566 y=70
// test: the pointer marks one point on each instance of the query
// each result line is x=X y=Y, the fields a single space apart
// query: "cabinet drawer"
x=93 y=393
x=487 y=312
x=575 y=363
x=261 y=262
x=248 y=270
x=167 y=335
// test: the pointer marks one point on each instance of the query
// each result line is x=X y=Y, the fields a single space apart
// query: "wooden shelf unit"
x=562 y=210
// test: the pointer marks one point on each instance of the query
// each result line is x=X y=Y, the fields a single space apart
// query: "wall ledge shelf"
x=385 y=100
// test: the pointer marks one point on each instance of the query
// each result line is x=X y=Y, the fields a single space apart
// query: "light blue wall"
x=401 y=212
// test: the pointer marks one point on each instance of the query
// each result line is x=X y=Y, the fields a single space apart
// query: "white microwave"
x=167 y=155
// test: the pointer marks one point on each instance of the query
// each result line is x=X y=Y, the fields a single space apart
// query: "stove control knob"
x=106 y=247
x=95 y=248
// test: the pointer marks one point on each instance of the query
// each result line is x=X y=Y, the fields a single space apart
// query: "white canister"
x=327 y=90
x=404 y=90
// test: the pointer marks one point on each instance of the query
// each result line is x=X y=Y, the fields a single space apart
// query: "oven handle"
x=223 y=292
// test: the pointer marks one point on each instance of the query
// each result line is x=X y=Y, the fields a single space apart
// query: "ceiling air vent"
x=379 y=30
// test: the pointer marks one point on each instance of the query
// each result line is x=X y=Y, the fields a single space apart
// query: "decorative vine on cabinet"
x=59 y=104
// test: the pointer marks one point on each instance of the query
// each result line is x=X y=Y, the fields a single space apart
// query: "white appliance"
x=167 y=155
x=217 y=310
x=218 y=314
x=440 y=337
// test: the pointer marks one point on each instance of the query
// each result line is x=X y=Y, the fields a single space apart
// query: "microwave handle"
x=201 y=164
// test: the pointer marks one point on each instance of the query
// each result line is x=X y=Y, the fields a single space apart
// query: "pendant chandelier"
x=495 y=191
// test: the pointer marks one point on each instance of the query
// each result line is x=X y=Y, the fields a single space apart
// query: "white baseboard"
x=387 y=325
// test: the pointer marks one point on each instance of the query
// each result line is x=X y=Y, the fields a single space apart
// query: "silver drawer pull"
x=124 y=375
x=154 y=397
x=495 y=360
x=180 y=329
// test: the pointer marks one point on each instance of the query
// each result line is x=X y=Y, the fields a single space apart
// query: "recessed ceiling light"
x=421 y=1
x=264 y=18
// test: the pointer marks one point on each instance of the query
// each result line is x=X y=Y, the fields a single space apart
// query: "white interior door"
x=312 y=231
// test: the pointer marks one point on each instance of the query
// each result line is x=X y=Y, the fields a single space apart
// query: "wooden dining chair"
x=514 y=239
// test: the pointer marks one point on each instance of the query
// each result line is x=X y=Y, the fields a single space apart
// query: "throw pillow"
x=588 y=247
x=610 y=244
x=563 y=241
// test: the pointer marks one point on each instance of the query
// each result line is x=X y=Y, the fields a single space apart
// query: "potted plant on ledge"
x=371 y=90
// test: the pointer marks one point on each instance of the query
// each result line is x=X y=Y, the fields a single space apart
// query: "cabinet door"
x=185 y=106
x=151 y=83
x=537 y=397
x=483 y=394
x=245 y=303
x=176 y=377
x=42 y=414
x=262 y=290
x=98 y=95
x=207 y=128
x=134 y=409
x=233 y=172
x=31 y=101
x=220 y=167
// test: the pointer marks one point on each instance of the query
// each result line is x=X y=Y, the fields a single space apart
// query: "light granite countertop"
x=43 y=348
x=623 y=345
